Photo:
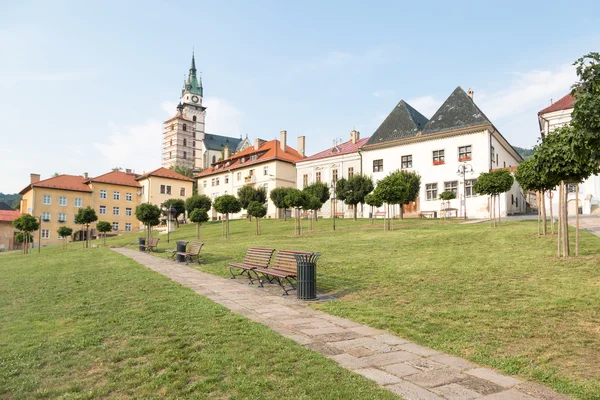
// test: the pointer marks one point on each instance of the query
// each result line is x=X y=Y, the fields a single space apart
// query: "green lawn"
x=83 y=324
x=499 y=297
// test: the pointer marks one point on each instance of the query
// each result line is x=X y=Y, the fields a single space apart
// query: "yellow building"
x=7 y=231
x=163 y=184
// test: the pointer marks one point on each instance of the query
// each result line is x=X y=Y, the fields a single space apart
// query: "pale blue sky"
x=84 y=86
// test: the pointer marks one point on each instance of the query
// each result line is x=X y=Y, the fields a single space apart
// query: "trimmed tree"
x=313 y=204
x=446 y=196
x=393 y=189
x=85 y=216
x=257 y=210
x=149 y=215
x=227 y=204
x=278 y=198
x=248 y=194
x=493 y=184
x=414 y=186
x=296 y=199
x=197 y=201
x=320 y=191
x=104 y=227
x=529 y=177
x=353 y=190
x=198 y=216
x=26 y=224
x=177 y=204
x=64 y=232
x=372 y=200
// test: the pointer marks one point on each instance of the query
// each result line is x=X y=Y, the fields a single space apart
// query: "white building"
x=341 y=161
x=458 y=134
x=551 y=118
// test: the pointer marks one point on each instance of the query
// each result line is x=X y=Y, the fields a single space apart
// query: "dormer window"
x=254 y=156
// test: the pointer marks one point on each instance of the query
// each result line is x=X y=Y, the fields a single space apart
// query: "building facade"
x=7 y=230
x=163 y=184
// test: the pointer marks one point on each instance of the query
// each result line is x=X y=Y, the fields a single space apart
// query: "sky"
x=86 y=85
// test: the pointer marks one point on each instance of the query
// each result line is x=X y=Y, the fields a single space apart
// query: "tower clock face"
x=195 y=99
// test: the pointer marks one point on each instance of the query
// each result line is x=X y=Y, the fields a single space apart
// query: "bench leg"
x=285 y=290
x=252 y=280
x=234 y=275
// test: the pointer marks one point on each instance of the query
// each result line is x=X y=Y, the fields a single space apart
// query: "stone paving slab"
x=411 y=371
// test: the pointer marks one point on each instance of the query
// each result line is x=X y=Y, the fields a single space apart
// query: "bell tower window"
x=184 y=127
x=171 y=142
x=184 y=142
x=194 y=118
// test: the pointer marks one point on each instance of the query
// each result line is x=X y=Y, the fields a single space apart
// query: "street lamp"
x=463 y=169
x=171 y=213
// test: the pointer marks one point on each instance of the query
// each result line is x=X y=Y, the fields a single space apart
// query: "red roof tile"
x=270 y=150
x=165 y=173
x=563 y=104
x=117 y=178
x=344 y=148
x=9 y=215
x=64 y=182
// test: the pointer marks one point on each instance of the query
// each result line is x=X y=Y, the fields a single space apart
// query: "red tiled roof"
x=563 y=104
x=344 y=148
x=9 y=215
x=64 y=182
x=165 y=173
x=117 y=178
x=271 y=151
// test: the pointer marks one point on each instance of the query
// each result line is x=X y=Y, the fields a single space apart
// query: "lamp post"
x=333 y=199
x=463 y=169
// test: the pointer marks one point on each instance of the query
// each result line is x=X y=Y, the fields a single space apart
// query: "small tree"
x=319 y=190
x=26 y=224
x=197 y=201
x=198 y=216
x=446 y=196
x=353 y=190
x=313 y=204
x=493 y=184
x=85 y=216
x=104 y=227
x=257 y=210
x=296 y=199
x=413 y=181
x=149 y=215
x=278 y=198
x=227 y=204
x=64 y=232
x=372 y=200
x=393 y=189
x=177 y=204
x=529 y=178
x=248 y=194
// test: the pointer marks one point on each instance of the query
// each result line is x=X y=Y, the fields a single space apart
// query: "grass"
x=499 y=297
x=83 y=324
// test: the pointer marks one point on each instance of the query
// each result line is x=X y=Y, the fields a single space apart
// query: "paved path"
x=407 y=369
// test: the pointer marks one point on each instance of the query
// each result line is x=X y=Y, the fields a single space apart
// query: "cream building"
x=163 y=184
x=267 y=164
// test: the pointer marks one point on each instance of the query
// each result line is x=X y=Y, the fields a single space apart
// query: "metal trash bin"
x=181 y=247
x=306 y=276
x=142 y=244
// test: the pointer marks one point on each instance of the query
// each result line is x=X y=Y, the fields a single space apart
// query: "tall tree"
x=198 y=216
x=319 y=190
x=85 y=216
x=529 y=177
x=104 y=227
x=278 y=198
x=26 y=224
x=149 y=215
x=227 y=204
x=248 y=194
x=354 y=189
x=446 y=196
x=313 y=204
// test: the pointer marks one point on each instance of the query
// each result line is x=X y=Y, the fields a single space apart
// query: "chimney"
x=283 y=139
x=85 y=175
x=34 y=178
x=128 y=171
x=470 y=93
x=226 y=153
x=301 y=144
x=354 y=136
x=256 y=144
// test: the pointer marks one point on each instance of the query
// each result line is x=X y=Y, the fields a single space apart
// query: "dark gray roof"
x=5 y=206
x=218 y=142
x=458 y=111
x=403 y=122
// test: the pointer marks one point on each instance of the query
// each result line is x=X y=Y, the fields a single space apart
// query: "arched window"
x=172 y=126
x=194 y=119
x=214 y=159
x=184 y=127
x=185 y=142
x=171 y=142
x=194 y=135
x=194 y=144
x=184 y=155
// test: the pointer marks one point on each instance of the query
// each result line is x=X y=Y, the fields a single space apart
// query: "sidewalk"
x=411 y=371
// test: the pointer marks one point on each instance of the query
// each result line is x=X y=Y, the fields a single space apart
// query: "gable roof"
x=9 y=215
x=458 y=111
x=116 y=178
x=403 y=122
x=344 y=148
x=564 y=103
x=218 y=142
x=62 y=182
x=267 y=151
x=165 y=173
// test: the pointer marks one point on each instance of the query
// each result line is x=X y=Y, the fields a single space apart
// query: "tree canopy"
x=258 y=210
x=447 y=195
x=104 y=227
x=198 y=201
x=85 y=216
x=318 y=189
x=227 y=204
x=177 y=204
x=373 y=200
x=248 y=193
x=198 y=216
x=354 y=189
x=393 y=189
x=493 y=183
x=149 y=215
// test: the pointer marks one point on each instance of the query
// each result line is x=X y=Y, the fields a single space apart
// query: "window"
x=251 y=172
x=184 y=141
x=431 y=191
x=406 y=161
x=185 y=155
x=128 y=226
x=194 y=118
x=266 y=186
x=194 y=153
x=62 y=201
x=469 y=183
x=217 y=181
x=184 y=127
x=204 y=183
x=350 y=172
x=172 y=126
x=212 y=182
x=128 y=196
x=304 y=180
x=492 y=153
x=318 y=177
x=194 y=142
x=334 y=175
x=62 y=217
x=253 y=157
x=171 y=142
x=504 y=164
x=451 y=186
x=570 y=187
x=116 y=211
x=265 y=171
x=226 y=179
x=497 y=159
x=116 y=195
x=438 y=157
x=214 y=159
x=103 y=194
x=464 y=153
x=165 y=189
x=115 y=226
x=182 y=192
x=45 y=216
x=102 y=210
x=377 y=165
x=47 y=200
x=239 y=176
x=170 y=154
x=78 y=202
x=512 y=199
x=45 y=233
x=128 y=211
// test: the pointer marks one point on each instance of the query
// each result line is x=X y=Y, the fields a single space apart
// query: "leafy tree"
x=393 y=189
x=85 y=216
x=64 y=232
x=372 y=200
x=296 y=199
x=353 y=190
x=493 y=184
x=177 y=204
x=312 y=203
x=103 y=227
x=414 y=186
x=248 y=194
x=198 y=201
x=257 y=210
x=320 y=191
x=198 y=216
x=26 y=224
x=446 y=196
x=278 y=198
x=227 y=204
x=529 y=177
x=189 y=172
x=149 y=215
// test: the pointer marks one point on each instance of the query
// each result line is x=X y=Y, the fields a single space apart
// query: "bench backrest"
x=258 y=256
x=153 y=242
x=195 y=247
x=285 y=259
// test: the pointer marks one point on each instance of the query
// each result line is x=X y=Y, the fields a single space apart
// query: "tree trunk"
x=402 y=211
x=566 y=206
x=104 y=239
x=559 y=216
x=537 y=202
x=491 y=208
x=551 y=216
x=576 y=220
x=227 y=226
x=256 y=226
x=355 y=212
x=284 y=214
x=198 y=231
x=544 y=218
x=499 y=209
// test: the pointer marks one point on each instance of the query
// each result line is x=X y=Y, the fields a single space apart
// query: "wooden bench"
x=282 y=268
x=427 y=214
x=192 y=253
x=255 y=257
x=380 y=214
x=339 y=215
x=151 y=245
x=305 y=215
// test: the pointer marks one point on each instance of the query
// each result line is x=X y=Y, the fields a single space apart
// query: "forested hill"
x=525 y=153
x=10 y=199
